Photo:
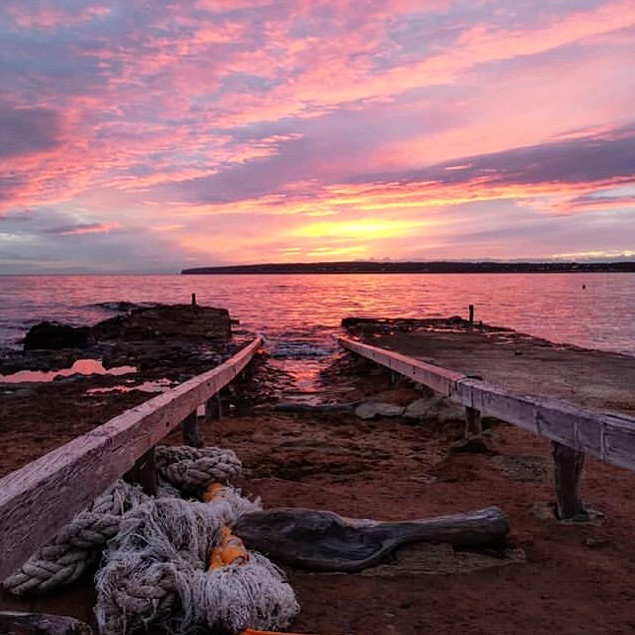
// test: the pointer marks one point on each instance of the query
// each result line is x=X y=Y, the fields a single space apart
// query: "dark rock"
x=122 y=305
x=51 y=335
x=374 y=409
x=435 y=409
x=182 y=321
x=14 y=623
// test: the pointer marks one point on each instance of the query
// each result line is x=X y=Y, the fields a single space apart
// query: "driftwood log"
x=14 y=623
x=325 y=541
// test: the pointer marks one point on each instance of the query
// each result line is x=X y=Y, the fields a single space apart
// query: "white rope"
x=241 y=596
x=156 y=571
x=155 y=565
x=78 y=545
x=192 y=469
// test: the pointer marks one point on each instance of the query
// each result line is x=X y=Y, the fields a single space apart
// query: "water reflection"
x=80 y=367
x=554 y=306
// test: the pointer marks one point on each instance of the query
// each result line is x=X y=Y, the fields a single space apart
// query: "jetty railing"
x=573 y=430
x=44 y=495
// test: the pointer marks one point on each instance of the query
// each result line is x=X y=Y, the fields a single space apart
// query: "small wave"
x=12 y=326
x=121 y=306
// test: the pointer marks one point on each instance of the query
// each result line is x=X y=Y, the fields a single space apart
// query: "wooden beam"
x=213 y=410
x=568 y=465
x=437 y=378
x=144 y=473
x=473 y=423
x=191 y=433
x=41 y=497
x=609 y=436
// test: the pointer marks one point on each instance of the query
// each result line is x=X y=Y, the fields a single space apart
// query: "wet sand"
x=568 y=578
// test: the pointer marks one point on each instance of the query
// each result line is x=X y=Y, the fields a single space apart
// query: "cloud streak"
x=249 y=129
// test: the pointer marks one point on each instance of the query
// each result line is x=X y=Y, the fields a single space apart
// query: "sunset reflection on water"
x=593 y=310
x=80 y=367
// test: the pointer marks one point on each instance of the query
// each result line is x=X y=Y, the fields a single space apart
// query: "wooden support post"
x=191 y=433
x=213 y=407
x=568 y=470
x=473 y=423
x=144 y=473
x=194 y=299
x=471 y=314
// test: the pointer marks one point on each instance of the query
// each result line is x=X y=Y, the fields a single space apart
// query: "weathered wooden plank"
x=191 y=433
x=38 y=499
x=144 y=473
x=619 y=440
x=609 y=436
x=437 y=378
x=568 y=464
x=497 y=402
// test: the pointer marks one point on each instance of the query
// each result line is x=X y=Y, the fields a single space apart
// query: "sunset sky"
x=149 y=135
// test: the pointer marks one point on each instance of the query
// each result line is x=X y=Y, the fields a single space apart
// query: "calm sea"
x=299 y=314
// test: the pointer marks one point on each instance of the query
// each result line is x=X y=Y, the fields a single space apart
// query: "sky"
x=154 y=135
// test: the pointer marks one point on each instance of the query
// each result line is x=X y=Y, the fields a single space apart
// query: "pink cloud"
x=279 y=107
x=84 y=228
x=47 y=15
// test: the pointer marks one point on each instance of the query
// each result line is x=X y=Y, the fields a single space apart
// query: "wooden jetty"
x=38 y=499
x=572 y=430
x=41 y=497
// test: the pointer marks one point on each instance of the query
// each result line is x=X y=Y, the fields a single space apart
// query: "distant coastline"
x=417 y=267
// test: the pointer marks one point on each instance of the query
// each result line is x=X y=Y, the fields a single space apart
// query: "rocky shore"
x=385 y=448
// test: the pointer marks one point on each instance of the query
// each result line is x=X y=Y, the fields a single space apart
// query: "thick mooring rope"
x=155 y=565
x=77 y=546
x=192 y=469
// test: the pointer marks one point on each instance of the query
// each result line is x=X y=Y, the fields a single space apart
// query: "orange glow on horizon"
x=363 y=229
x=240 y=130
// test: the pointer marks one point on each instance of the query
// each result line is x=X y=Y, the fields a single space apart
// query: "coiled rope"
x=155 y=564
x=76 y=546
x=192 y=469
x=156 y=571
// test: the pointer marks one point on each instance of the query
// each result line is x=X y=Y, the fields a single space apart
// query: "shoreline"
x=555 y=576
x=373 y=267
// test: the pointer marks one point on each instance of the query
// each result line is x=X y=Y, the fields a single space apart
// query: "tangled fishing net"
x=167 y=560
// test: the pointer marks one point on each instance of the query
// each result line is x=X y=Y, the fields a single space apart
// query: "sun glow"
x=363 y=229
x=319 y=131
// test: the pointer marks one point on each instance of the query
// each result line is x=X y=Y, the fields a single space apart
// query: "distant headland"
x=373 y=266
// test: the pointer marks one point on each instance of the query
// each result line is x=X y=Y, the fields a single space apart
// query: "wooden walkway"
x=574 y=430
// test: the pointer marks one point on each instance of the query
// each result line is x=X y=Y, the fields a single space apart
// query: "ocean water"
x=300 y=314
